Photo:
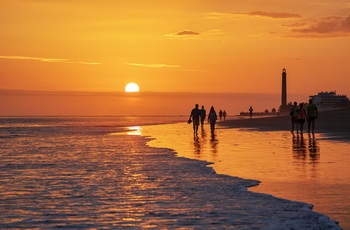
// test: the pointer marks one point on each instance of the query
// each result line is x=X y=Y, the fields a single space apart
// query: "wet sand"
x=336 y=124
x=287 y=167
x=226 y=155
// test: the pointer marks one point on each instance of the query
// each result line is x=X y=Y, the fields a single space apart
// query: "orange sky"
x=175 y=46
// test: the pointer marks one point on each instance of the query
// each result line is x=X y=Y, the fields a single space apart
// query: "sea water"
x=64 y=171
x=70 y=171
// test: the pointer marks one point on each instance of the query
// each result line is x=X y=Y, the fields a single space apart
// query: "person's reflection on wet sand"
x=299 y=148
x=314 y=149
x=197 y=144
x=214 y=144
x=203 y=133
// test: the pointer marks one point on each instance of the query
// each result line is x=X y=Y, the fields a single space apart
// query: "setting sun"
x=132 y=87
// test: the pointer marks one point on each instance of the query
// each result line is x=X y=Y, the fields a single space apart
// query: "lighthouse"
x=284 y=89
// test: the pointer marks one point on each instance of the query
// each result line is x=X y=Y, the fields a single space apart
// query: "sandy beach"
x=286 y=167
x=333 y=123
x=336 y=124
x=219 y=201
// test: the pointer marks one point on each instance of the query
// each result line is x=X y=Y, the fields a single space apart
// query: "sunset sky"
x=175 y=46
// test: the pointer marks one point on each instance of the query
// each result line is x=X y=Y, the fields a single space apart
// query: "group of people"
x=198 y=116
x=222 y=114
x=299 y=115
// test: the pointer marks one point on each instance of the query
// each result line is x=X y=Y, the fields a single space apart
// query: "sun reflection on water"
x=135 y=130
x=130 y=131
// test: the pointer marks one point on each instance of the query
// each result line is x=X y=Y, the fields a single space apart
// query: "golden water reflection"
x=130 y=131
x=308 y=169
x=134 y=130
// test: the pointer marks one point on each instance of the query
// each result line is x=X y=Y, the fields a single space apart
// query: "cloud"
x=332 y=26
x=192 y=34
x=194 y=70
x=296 y=24
x=59 y=60
x=187 y=33
x=217 y=15
x=152 y=65
x=215 y=32
x=184 y=33
x=163 y=66
x=273 y=15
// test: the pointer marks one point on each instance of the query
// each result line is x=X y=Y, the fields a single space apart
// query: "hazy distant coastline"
x=334 y=123
x=80 y=103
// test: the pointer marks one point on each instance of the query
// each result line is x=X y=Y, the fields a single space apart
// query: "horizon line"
x=132 y=93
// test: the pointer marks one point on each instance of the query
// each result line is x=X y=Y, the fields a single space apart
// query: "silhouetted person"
x=212 y=117
x=220 y=114
x=312 y=114
x=195 y=114
x=250 y=112
x=224 y=114
x=294 y=117
x=302 y=116
x=203 y=115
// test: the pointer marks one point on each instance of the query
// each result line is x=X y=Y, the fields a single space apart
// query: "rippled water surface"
x=71 y=172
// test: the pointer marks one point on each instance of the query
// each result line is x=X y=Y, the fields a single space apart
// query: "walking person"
x=302 y=116
x=294 y=117
x=212 y=117
x=220 y=114
x=203 y=115
x=224 y=114
x=312 y=114
x=250 y=112
x=195 y=114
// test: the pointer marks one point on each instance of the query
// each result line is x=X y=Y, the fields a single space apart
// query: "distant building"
x=330 y=101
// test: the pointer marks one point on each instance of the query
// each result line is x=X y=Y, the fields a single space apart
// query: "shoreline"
x=176 y=138
x=127 y=183
x=335 y=124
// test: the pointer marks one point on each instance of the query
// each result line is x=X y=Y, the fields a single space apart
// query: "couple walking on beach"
x=299 y=115
x=197 y=114
x=222 y=114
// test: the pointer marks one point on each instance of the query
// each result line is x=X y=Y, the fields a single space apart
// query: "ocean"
x=67 y=171
x=70 y=171
x=34 y=103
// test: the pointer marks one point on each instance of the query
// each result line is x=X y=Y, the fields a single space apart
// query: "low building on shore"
x=326 y=101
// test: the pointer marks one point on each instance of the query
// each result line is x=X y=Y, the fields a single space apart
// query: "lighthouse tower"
x=284 y=89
